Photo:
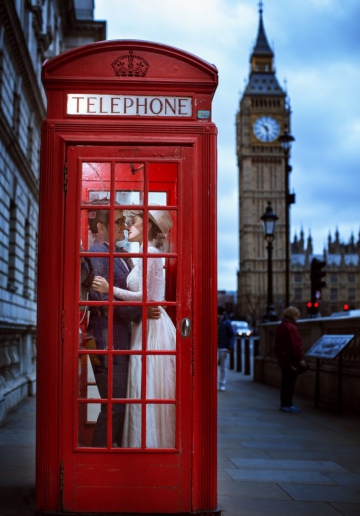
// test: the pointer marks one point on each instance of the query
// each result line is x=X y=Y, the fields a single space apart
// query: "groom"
x=99 y=224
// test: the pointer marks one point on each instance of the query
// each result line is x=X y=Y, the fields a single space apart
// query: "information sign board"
x=329 y=346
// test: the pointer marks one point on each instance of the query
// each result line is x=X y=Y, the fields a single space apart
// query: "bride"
x=161 y=336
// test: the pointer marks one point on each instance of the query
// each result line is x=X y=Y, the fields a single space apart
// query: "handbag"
x=300 y=367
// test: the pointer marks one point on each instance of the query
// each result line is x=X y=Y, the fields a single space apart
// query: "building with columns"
x=31 y=31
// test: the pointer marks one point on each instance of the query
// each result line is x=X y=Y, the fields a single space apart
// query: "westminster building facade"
x=31 y=31
x=342 y=291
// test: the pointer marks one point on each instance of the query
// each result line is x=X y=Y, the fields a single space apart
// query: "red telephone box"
x=127 y=403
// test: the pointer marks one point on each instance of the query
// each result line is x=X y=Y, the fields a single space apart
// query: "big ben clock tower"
x=263 y=116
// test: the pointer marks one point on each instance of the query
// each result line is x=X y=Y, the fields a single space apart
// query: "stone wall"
x=267 y=371
x=17 y=367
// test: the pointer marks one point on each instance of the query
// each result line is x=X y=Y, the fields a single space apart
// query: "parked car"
x=241 y=328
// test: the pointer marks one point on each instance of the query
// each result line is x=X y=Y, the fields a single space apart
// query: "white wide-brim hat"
x=162 y=219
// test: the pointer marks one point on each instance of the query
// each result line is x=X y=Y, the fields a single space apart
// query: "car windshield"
x=240 y=324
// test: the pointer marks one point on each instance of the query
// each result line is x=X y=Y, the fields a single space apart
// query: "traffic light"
x=346 y=307
x=309 y=308
x=312 y=309
x=316 y=278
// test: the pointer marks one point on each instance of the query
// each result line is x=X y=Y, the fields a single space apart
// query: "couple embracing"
x=127 y=332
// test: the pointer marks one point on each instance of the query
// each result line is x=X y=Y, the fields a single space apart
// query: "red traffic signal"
x=346 y=307
x=312 y=308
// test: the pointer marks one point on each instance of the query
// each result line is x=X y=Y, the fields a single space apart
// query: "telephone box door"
x=127 y=380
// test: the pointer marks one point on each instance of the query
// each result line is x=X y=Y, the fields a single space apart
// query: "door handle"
x=185 y=327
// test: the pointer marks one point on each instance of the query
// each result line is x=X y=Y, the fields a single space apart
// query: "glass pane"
x=170 y=272
x=161 y=377
x=160 y=426
x=97 y=330
x=95 y=182
x=99 y=436
x=86 y=278
x=88 y=432
x=91 y=368
x=159 y=198
x=134 y=377
x=162 y=230
x=161 y=333
x=132 y=426
x=118 y=418
x=134 y=231
x=129 y=183
x=126 y=327
x=95 y=230
x=120 y=376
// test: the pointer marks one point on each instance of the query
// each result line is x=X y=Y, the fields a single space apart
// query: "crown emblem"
x=130 y=66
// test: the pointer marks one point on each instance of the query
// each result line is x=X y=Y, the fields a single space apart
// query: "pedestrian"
x=226 y=338
x=289 y=352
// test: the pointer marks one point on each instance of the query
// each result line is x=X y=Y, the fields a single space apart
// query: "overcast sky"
x=317 y=57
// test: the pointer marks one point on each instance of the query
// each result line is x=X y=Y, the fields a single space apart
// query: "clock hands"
x=267 y=131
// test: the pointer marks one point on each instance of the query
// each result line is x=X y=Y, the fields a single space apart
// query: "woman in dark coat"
x=289 y=352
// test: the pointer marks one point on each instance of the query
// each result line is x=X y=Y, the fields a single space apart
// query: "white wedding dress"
x=160 y=369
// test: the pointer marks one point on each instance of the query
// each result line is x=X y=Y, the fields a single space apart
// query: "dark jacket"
x=288 y=345
x=226 y=334
x=123 y=314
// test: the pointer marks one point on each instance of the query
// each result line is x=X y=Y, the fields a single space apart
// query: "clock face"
x=266 y=128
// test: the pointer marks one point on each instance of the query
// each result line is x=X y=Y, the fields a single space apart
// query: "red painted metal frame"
x=173 y=72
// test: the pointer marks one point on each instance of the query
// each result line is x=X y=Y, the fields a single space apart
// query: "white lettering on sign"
x=128 y=105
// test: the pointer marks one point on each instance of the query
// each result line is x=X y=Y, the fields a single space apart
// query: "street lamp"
x=285 y=139
x=269 y=219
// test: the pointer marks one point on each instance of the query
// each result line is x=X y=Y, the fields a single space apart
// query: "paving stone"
x=317 y=493
x=303 y=454
x=347 y=509
x=271 y=445
x=346 y=479
x=309 y=465
x=268 y=491
x=275 y=475
x=245 y=507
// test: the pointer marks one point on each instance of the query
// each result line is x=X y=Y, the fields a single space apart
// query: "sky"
x=317 y=60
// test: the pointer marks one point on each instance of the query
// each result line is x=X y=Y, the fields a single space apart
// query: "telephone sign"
x=128 y=105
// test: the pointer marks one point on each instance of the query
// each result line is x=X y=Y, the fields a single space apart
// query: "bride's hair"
x=157 y=237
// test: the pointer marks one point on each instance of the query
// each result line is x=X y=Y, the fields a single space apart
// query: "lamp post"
x=285 y=139
x=269 y=219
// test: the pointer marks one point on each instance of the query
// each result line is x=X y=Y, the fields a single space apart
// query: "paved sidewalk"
x=17 y=460
x=275 y=463
x=269 y=462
